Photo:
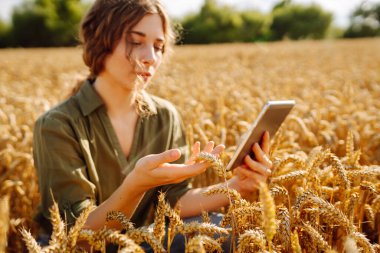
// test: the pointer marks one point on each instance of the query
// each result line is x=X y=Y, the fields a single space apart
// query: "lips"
x=144 y=74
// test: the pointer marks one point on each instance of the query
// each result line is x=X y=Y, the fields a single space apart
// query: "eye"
x=159 y=48
x=135 y=43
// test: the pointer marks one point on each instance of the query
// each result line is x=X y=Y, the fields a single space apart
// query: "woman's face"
x=137 y=55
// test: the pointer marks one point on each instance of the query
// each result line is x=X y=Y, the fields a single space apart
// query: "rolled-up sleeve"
x=60 y=167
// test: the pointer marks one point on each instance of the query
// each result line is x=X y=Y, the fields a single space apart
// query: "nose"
x=149 y=57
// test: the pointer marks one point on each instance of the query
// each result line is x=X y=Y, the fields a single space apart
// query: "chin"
x=141 y=84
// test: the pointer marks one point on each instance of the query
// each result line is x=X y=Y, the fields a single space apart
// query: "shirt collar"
x=89 y=100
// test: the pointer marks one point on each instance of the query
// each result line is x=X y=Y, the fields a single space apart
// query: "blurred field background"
x=329 y=146
x=219 y=90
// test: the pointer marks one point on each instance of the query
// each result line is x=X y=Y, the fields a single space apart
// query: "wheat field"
x=323 y=194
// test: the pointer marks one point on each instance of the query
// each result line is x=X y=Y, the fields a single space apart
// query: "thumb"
x=153 y=161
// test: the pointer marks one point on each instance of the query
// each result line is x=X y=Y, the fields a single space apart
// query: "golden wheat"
x=326 y=155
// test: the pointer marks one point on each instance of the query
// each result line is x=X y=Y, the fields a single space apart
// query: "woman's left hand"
x=248 y=176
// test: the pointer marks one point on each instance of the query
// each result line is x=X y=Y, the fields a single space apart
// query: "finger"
x=261 y=157
x=196 y=148
x=182 y=172
x=254 y=176
x=209 y=146
x=155 y=160
x=218 y=149
x=195 y=152
x=256 y=166
x=265 y=143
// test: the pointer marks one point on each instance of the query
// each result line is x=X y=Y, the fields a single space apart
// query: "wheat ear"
x=214 y=161
x=316 y=237
x=283 y=233
x=331 y=214
x=350 y=245
x=353 y=156
x=363 y=242
x=202 y=243
x=268 y=214
x=98 y=238
x=370 y=215
x=289 y=178
x=121 y=218
x=201 y=228
x=142 y=234
x=340 y=171
x=251 y=241
x=296 y=247
x=233 y=194
x=58 y=236
x=205 y=217
x=74 y=231
x=30 y=242
x=159 y=218
x=365 y=173
x=353 y=200
x=195 y=245
x=279 y=165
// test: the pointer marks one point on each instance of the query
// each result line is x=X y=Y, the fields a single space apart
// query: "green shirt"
x=79 y=159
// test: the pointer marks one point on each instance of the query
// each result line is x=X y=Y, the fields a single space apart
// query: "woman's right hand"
x=155 y=170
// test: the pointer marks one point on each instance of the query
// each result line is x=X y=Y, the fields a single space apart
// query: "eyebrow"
x=144 y=35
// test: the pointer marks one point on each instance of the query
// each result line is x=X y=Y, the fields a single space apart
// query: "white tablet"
x=270 y=118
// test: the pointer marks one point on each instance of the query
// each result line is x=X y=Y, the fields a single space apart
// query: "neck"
x=119 y=100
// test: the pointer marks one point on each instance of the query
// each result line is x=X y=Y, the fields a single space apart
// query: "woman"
x=112 y=144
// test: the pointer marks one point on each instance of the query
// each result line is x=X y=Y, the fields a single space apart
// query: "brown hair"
x=107 y=20
x=103 y=27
